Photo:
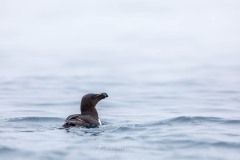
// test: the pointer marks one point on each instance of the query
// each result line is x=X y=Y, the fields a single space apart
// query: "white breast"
x=99 y=121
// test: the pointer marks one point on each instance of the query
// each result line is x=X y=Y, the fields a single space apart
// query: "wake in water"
x=123 y=125
x=183 y=132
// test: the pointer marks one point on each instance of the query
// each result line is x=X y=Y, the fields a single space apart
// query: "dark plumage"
x=89 y=115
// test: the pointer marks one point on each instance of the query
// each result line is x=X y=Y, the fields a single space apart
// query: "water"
x=171 y=70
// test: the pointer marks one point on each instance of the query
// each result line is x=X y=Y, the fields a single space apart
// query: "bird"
x=89 y=115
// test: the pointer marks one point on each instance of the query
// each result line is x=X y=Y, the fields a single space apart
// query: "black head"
x=89 y=102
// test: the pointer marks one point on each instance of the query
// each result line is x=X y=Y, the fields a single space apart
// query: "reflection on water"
x=171 y=70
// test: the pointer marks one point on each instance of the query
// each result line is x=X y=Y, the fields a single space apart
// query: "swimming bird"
x=89 y=115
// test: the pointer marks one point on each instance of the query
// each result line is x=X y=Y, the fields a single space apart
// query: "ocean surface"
x=171 y=70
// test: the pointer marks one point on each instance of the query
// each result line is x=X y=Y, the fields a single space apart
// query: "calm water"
x=171 y=70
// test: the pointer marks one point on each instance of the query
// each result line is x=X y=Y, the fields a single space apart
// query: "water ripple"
x=36 y=119
x=4 y=150
x=183 y=120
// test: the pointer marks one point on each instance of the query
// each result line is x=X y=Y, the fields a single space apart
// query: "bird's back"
x=80 y=120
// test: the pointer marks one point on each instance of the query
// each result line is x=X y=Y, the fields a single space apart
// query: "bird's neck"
x=92 y=112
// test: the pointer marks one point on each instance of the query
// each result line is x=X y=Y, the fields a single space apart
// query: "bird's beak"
x=102 y=95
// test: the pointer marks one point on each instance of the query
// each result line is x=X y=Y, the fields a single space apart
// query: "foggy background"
x=54 y=36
